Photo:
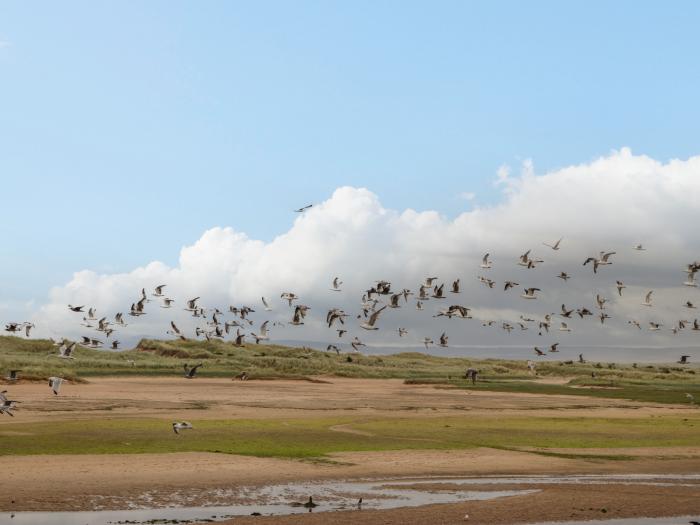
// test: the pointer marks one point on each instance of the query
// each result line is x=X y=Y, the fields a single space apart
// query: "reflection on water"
x=330 y=496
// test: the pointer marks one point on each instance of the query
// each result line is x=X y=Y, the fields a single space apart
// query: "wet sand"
x=83 y=482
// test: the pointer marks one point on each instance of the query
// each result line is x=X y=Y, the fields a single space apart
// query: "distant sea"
x=618 y=354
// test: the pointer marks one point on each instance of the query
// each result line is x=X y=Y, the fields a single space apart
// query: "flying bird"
x=303 y=208
x=181 y=425
x=554 y=246
x=190 y=372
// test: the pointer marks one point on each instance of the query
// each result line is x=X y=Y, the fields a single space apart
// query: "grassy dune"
x=652 y=383
x=314 y=438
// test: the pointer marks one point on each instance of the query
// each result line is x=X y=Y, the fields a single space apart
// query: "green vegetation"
x=315 y=437
x=651 y=383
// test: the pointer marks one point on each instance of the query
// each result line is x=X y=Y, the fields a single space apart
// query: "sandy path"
x=202 y=398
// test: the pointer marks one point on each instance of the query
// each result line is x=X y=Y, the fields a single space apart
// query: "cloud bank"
x=610 y=204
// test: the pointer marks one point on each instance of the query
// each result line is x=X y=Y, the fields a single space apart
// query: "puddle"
x=220 y=504
x=680 y=520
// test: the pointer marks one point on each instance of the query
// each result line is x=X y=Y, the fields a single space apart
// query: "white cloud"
x=610 y=203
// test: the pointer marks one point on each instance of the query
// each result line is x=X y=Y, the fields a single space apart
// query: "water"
x=333 y=496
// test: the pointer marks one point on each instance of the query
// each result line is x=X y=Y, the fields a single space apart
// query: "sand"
x=80 y=482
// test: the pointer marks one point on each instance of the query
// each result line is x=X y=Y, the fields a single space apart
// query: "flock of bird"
x=377 y=299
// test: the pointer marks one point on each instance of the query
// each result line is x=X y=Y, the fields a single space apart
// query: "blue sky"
x=128 y=128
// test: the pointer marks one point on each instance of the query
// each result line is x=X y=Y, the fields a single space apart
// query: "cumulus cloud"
x=611 y=204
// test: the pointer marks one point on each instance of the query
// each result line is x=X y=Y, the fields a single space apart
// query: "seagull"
x=510 y=284
x=601 y=301
x=564 y=276
x=524 y=259
x=167 y=302
x=181 y=425
x=647 y=300
x=115 y=345
x=340 y=332
x=635 y=323
x=75 y=308
x=190 y=372
x=443 y=340
x=554 y=246
x=175 y=331
x=356 y=343
x=289 y=297
x=402 y=332
x=267 y=306
x=303 y=208
x=336 y=285
x=263 y=333
x=620 y=285
x=55 y=384
x=603 y=316
x=192 y=305
x=334 y=348
x=455 y=286
x=683 y=360
x=553 y=348
x=639 y=248
x=691 y=280
x=6 y=405
x=427 y=341
x=159 y=290
x=437 y=292
x=419 y=305
x=581 y=359
x=369 y=325
x=66 y=350
x=565 y=313
x=485 y=263
x=564 y=328
x=539 y=352
x=239 y=338
x=601 y=260
x=530 y=293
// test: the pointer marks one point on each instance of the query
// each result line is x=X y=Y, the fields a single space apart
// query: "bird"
x=341 y=332
x=336 y=284
x=289 y=297
x=553 y=348
x=600 y=301
x=356 y=343
x=564 y=328
x=554 y=246
x=530 y=293
x=564 y=276
x=402 y=332
x=654 y=327
x=334 y=348
x=689 y=305
x=263 y=335
x=369 y=324
x=66 y=350
x=620 y=285
x=443 y=340
x=181 y=425
x=266 y=305
x=190 y=372
x=310 y=504
x=6 y=405
x=683 y=360
x=175 y=331
x=647 y=300
x=639 y=248
x=539 y=352
x=55 y=384
x=485 y=263
x=564 y=312
x=303 y=208
x=159 y=290
x=455 y=286
x=115 y=345
x=427 y=341
x=75 y=308
x=509 y=284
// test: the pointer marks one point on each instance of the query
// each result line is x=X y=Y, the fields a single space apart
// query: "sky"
x=129 y=130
